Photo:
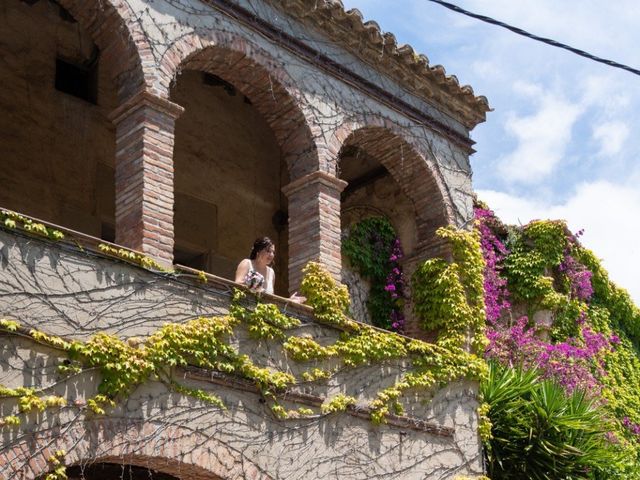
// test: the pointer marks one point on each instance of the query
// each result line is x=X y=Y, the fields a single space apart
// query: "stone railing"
x=72 y=289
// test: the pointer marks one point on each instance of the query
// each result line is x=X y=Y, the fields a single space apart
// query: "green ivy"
x=339 y=403
x=449 y=297
x=368 y=247
x=136 y=258
x=13 y=220
x=203 y=342
x=329 y=300
x=534 y=253
x=57 y=466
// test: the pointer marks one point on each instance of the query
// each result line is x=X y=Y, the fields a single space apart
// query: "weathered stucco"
x=58 y=289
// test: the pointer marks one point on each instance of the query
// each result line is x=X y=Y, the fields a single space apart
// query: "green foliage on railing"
x=13 y=220
x=330 y=301
x=449 y=296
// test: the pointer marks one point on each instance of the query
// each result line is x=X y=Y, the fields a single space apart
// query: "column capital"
x=312 y=178
x=145 y=99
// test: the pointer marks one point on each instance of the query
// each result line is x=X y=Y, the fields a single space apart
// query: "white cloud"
x=611 y=136
x=542 y=136
x=606 y=211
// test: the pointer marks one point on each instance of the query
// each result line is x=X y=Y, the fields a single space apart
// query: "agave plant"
x=540 y=432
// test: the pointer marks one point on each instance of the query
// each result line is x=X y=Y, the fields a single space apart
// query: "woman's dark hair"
x=259 y=245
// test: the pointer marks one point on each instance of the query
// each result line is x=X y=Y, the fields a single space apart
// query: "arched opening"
x=378 y=224
x=159 y=448
x=372 y=191
x=232 y=157
x=228 y=174
x=114 y=471
x=392 y=193
x=56 y=142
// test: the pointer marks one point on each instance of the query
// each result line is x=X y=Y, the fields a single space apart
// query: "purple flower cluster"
x=496 y=295
x=579 y=277
x=575 y=363
x=395 y=286
x=631 y=426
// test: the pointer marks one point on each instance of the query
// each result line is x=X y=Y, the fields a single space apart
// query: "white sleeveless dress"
x=267 y=283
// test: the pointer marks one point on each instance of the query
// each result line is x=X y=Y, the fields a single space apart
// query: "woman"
x=255 y=272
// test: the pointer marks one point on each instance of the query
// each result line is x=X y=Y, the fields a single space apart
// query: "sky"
x=563 y=140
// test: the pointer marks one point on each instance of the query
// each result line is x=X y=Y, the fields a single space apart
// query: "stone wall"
x=62 y=290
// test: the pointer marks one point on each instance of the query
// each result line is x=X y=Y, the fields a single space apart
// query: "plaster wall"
x=60 y=290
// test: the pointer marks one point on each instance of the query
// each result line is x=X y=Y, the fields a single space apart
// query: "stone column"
x=314 y=224
x=144 y=174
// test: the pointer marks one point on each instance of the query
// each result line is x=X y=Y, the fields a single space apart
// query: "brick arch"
x=170 y=449
x=262 y=79
x=122 y=42
x=415 y=173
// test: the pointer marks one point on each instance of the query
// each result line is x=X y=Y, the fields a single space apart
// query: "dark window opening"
x=65 y=15
x=190 y=258
x=111 y=471
x=108 y=232
x=77 y=80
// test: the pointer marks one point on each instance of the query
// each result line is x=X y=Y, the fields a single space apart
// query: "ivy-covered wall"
x=104 y=360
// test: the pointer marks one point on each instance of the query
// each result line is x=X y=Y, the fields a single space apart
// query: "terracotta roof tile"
x=401 y=62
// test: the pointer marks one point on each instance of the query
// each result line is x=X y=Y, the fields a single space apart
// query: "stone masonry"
x=76 y=293
x=305 y=66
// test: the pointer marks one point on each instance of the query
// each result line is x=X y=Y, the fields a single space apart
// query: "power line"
x=548 y=41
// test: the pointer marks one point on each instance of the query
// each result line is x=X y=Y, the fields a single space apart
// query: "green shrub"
x=540 y=432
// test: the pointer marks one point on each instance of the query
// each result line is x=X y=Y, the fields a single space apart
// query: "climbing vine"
x=137 y=259
x=204 y=342
x=449 y=296
x=374 y=250
x=14 y=220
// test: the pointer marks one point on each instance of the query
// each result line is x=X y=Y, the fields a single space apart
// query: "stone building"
x=184 y=129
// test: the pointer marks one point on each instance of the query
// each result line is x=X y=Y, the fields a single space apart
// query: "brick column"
x=144 y=174
x=314 y=224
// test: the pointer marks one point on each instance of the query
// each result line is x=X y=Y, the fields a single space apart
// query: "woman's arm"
x=242 y=270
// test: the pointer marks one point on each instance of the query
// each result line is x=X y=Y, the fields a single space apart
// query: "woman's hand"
x=297 y=298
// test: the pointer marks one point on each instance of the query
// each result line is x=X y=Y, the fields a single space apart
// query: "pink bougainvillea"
x=571 y=363
x=575 y=362
x=395 y=286
x=578 y=276
x=496 y=295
